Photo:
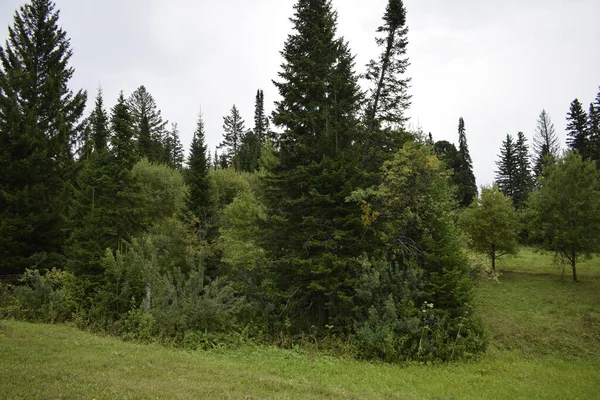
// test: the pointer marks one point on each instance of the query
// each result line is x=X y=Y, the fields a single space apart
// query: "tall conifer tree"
x=234 y=130
x=594 y=130
x=523 y=177
x=507 y=168
x=40 y=120
x=464 y=176
x=315 y=234
x=197 y=178
x=149 y=127
x=577 y=130
x=545 y=143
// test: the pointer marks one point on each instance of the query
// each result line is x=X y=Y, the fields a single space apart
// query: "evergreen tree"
x=148 y=125
x=315 y=234
x=40 y=120
x=523 y=179
x=506 y=175
x=197 y=178
x=594 y=130
x=577 y=130
x=249 y=154
x=545 y=143
x=464 y=176
x=100 y=133
x=173 y=148
x=387 y=99
x=234 y=130
x=261 y=121
x=123 y=146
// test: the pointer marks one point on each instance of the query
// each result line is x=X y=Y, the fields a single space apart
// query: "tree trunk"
x=148 y=297
x=493 y=262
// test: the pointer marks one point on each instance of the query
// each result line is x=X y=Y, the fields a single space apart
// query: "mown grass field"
x=544 y=344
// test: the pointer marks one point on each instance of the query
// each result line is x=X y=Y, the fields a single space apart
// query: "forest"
x=327 y=221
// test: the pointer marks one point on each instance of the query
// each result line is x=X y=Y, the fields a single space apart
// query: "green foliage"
x=545 y=144
x=412 y=214
x=491 y=224
x=565 y=211
x=463 y=174
x=234 y=131
x=577 y=130
x=39 y=122
x=149 y=128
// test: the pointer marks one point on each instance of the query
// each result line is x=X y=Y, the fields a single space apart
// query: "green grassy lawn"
x=544 y=344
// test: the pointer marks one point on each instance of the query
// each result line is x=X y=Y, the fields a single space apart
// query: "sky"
x=497 y=64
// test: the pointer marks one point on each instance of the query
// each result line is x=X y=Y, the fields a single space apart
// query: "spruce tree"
x=577 y=130
x=315 y=234
x=100 y=133
x=173 y=149
x=249 y=154
x=594 y=130
x=197 y=178
x=149 y=127
x=261 y=121
x=40 y=120
x=464 y=176
x=507 y=168
x=545 y=143
x=523 y=177
x=234 y=130
x=387 y=98
x=122 y=142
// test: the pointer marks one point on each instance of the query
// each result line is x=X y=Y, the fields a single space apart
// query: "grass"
x=544 y=333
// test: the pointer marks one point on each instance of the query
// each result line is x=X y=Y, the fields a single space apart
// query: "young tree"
x=566 y=209
x=197 y=178
x=464 y=176
x=545 y=144
x=523 y=177
x=148 y=125
x=233 y=126
x=577 y=130
x=491 y=223
x=40 y=120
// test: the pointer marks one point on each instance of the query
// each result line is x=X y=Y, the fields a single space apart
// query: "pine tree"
x=523 y=177
x=197 y=178
x=545 y=143
x=234 y=130
x=464 y=176
x=40 y=121
x=249 y=154
x=507 y=168
x=577 y=130
x=315 y=234
x=148 y=125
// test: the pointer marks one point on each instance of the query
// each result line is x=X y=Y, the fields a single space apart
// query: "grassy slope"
x=544 y=333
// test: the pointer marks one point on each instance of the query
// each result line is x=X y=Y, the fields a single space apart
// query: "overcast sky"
x=495 y=63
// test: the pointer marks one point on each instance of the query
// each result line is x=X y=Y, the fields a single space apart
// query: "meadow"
x=544 y=335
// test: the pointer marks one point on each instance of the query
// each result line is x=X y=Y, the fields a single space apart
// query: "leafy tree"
x=411 y=211
x=464 y=176
x=507 y=168
x=577 y=130
x=566 y=209
x=197 y=178
x=40 y=121
x=545 y=144
x=491 y=223
x=233 y=126
x=523 y=178
x=148 y=125
x=315 y=235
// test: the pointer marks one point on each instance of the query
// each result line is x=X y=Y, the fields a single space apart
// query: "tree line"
x=328 y=221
